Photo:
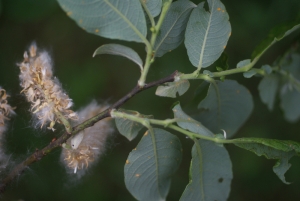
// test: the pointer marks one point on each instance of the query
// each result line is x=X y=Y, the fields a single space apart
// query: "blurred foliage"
x=107 y=78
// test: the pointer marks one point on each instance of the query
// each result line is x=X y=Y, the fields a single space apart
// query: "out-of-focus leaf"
x=128 y=128
x=120 y=50
x=170 y=89
x=154 y=6
x=276 y=34
x=227 y=106
x=210 y=173
x=268 y=87
x=115 y=19
x=290 y=99
x=282 y=150
x=249 y=73
x=151 y=164
x=207 y=33
x=186 y=122
x=292 y=66
x=243 y=63
x=267 y=68
x=171 y=33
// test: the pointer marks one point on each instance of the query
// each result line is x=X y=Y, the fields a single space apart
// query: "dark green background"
x=107 y=78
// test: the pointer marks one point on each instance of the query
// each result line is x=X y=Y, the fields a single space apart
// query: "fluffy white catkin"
x=42 y=90
x=85 y=148
x=5 y=112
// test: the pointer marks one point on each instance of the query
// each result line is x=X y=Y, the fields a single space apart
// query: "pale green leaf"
x=210 y=173
x=267 y=68
x=243 y=63
x=170 y=89
x=268 y=87
x=249 y=73
x=172 y=30
x=151 y=164
x=227 y=106
x=276 y=34
x=128 y=128
x=186 y=122
x=290 y=99
x=115 y=19
x=207 y=33
x=281 y=150
x=154 y=6
x=120 y=50
x=292 y=65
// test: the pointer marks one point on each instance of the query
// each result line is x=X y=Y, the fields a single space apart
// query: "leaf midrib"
x=142 y=37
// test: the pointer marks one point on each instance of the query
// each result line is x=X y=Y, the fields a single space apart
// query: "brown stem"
x=39 y=154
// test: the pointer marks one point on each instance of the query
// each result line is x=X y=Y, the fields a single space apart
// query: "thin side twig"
x=39 y=154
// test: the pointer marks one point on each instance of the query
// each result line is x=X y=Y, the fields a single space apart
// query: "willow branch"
x=39 y=154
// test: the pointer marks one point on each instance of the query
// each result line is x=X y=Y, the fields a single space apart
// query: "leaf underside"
x=120 y=50
x=210 y=173
x=207 y=33
x=227 y=106
x=171 y=34
x=170 y=89
x=151 y=164
x=114 y=19
x=186 y=122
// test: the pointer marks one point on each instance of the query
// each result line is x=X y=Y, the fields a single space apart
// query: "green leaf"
x=120 y=50
x=276 y=34
x=292 y=66
x=227 y=106
x=249 y=73
x=186 y=122
x=267 y=68
x=290 y=99
x=170 y=89
x=207 y=33
x=282 y=150
x=210 y=173
x=171 y=33
x=243 y=63
x=114 y=19
x=154 y=6
x=128 y=128
x=151 y=164
x=268 y=87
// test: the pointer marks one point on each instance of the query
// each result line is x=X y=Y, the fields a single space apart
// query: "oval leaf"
x=120 y=50
x=170 y=89
x=282 y=150
x=151 y=164
x=207 y=33
x=268 y=87
x=115 y=19
x=210 y=173
x=154 y=6
x=171 y=33
x=186 y=122
x=227 y=106
x=290 y=99
x=127 y=128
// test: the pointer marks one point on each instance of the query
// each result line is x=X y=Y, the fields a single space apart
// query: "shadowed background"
x=107 y=78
